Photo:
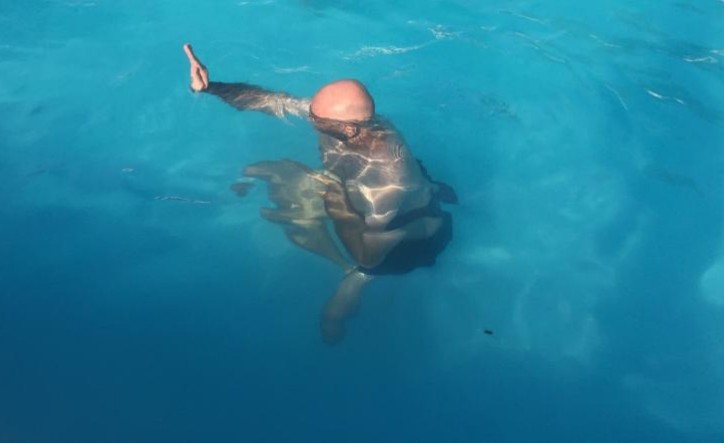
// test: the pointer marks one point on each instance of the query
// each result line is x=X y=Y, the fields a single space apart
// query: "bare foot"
x=199 y=73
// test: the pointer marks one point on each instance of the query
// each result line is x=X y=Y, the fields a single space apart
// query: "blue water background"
x=585 y=142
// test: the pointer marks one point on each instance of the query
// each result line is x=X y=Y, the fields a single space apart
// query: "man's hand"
x=199 y=73
x=335 y=199
x=336 y=205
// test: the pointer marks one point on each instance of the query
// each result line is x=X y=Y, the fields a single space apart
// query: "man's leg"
x=342 y=305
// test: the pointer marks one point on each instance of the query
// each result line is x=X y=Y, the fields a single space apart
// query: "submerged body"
x=383 y=204
x=391 y=194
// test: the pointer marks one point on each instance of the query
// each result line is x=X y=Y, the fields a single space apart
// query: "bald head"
x=345 y=100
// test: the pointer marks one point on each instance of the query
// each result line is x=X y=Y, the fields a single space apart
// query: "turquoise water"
x=585 y=142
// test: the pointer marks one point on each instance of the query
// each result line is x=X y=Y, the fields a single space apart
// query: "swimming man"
x=384 y=206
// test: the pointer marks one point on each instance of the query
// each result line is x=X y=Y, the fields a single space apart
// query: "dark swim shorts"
x=410 y=255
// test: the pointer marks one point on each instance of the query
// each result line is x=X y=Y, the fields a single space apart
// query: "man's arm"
x=352 y=230
x=243 y=96
x=367 y=241
x=248 y=97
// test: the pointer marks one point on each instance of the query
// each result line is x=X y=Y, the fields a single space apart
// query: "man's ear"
x=351 y=131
